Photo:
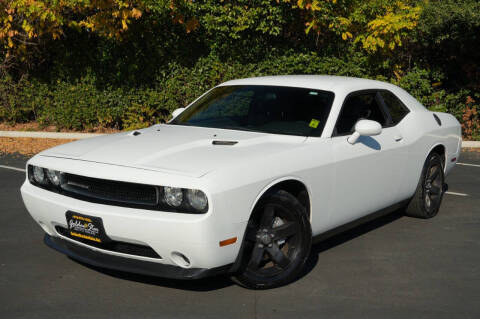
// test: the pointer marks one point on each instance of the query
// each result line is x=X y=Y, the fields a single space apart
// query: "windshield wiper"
x=241 y=128
x=180 y=123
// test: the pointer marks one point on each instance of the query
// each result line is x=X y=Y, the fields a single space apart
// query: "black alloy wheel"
x=277 y=242
x=431 y=187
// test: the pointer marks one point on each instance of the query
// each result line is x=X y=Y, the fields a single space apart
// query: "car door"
x=397 y=112
x=368 y=173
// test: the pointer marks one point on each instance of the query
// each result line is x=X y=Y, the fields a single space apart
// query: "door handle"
x=398 y=138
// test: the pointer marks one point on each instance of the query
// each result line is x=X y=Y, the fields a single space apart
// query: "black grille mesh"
x=112 y=191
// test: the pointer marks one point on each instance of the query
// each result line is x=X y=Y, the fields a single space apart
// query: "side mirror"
x=177 y=112
x=365 y=128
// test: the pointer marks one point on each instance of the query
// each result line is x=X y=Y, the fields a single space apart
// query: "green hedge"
x=85 y=105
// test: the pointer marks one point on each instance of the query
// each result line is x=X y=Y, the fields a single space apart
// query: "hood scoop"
x=228 y=143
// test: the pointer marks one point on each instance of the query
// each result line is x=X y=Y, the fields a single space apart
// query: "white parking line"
x=458 y=194
x=467 y=164
x=13 y=168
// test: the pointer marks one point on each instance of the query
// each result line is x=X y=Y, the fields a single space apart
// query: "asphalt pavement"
x=392 y=267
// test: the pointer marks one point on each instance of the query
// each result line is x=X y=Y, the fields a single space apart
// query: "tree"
x=376 y=25
x=25 y=25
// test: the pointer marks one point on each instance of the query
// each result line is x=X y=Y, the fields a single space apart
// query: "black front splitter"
x=98 y=259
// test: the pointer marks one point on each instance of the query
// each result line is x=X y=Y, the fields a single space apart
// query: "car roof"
x=320 y=82
x=340 y=85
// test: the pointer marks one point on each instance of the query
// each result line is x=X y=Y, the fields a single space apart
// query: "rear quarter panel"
x=422 y=132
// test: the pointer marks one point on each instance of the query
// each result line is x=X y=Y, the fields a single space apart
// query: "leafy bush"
x=471 y=120
x=81 y=106
x=21 y=101
x=448 y=36
x=86 y=104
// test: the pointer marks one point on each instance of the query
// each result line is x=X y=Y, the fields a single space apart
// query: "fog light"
x=173 y=196
x=180 y=259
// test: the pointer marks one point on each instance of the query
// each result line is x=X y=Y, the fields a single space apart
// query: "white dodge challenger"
x=244 y=178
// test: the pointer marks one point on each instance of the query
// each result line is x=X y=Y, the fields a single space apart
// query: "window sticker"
x=314 y=123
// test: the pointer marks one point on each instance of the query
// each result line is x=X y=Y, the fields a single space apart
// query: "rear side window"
x=362 y=106
x=395 y=107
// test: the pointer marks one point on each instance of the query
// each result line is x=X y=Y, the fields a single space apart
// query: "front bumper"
x=99 y=259
x=195 y=236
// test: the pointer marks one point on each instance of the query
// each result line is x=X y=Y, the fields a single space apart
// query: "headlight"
x=54 y=176
x=173 y=196
x=184 y=199
x=197 y=199
x=39 y=175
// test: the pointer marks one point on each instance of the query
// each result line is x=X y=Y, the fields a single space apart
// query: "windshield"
x=270 y=109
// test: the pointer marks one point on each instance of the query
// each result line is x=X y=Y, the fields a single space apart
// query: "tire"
x=430 y=189
x=277 y=242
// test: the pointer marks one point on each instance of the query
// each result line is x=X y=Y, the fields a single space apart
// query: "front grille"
x=112 y=245
x=109 y=191
x=114 y=193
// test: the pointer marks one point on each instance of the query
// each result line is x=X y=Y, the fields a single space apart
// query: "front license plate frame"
x=86 y=228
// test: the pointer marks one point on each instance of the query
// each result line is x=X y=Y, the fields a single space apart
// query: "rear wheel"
x=430 y=189
x=277 y=242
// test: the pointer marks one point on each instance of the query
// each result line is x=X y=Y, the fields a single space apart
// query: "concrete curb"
x=472 y=144
x=55 y=135
x=59 y=135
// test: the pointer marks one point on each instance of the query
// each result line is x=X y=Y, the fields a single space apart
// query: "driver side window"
x=361 y=106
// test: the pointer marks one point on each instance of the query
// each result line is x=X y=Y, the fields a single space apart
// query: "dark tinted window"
x=395 y=107
x=270 y=109
x=363 y=106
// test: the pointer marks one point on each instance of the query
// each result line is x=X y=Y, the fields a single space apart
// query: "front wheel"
x=430 y=189
x=277 y=242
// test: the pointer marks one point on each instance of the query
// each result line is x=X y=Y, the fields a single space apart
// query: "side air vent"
x=435 y=116
x=224 y=143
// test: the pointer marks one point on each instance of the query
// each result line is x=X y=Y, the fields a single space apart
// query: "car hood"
x=175 y=149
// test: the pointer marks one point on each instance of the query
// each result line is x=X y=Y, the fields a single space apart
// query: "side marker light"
x=229 y=241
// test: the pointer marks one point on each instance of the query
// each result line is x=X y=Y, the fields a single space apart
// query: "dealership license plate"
x=86 y=228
